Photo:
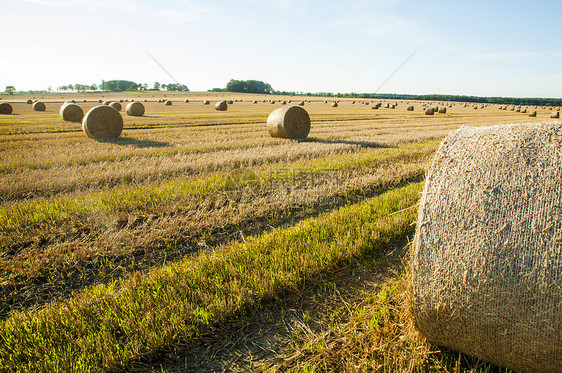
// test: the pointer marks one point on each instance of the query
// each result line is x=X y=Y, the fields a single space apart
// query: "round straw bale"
x=254 y=102
x=518 y=109
x=117 y=106
x=100 y=101
x=410 y=108
x=5 y=108
x=29 y=102
x=107 y=102
x=555 y=114
x=71 y=112
x=186 y=101
x=135 y=109
x=221 y=106
x=39 y=106
x=283 y=102
x=229 y=102
x=289 y=122
x=72 y=101
x=168 y=103
x=301 y=103
x=375 y=107
x=334 y=104
x=102 y=122
x=121 y=100
x=429 y=111
x=206 y=102
x=442 y=110
x=486 y=260
x=523 y=110
x=532 y=113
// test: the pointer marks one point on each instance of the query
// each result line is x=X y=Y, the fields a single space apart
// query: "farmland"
x=196 y=241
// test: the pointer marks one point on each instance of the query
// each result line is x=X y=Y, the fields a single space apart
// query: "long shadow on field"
x=136 y=142
x=363 y=144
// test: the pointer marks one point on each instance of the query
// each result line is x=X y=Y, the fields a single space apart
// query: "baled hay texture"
x=121 y=100
x=72 y=101
x=555 y=114
x=487 y=260
x=443 y=110
x=410 y=108
x=289 y=122
x=100 y=101
x=205 y=102
x=532 y=113
x=135 y=109
x=523 y=110
x=334 y=104
x=254 y=102
x=107 y=103
x=168 y=103
x=39 y=106
x=272 y=102
x=429 y=111
x=301 y=103
x=102 y=122
x=229 y=102
x=29 y=102
x=5 y=108
x=117 y=106
x=518 y=109
x=392 y=106
x=186 y=101
x=71 y=112
x=221 y=106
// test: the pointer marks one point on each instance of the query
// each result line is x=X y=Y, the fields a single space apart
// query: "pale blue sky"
x=483 y=48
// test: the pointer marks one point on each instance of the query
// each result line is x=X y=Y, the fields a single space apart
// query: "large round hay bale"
x=168 y=103
x=102 y=122
x=135 y=109
x=442 y=110
x=39 y=106
x=289 y=122
x=116 y=105
x=532 y=113
x=410 y=108
x=221 y=106
x=5 y=108
x=29 y=101
x=71 y=112
x=487 y=260
x=555 y=114
x=429 y=111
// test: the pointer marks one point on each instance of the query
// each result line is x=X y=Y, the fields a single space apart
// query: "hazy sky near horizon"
x=482 y=48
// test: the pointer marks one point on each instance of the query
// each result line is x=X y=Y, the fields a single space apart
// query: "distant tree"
x=50 y=89
x=145 y=86
x=70 y=87
x=102 y=86
x=94 y=87
x=110 y=86
x=10 y=89
x=248 y=86
x=156 y=85
x=176 y=87
x=122 y=85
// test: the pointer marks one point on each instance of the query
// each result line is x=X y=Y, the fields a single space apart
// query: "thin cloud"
x=509 y=55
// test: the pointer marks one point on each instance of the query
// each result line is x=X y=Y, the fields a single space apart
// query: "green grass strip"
x=110 y=326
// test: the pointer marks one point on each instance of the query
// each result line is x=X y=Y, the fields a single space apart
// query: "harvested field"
x=201 y=221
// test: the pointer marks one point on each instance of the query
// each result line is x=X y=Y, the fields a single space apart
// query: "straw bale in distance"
x=29 y=101
x=229 y=102
x=186 y=101
x=429 y=111
x=301 y=103
x=5 y=108
x=334 y=104
x=71 y=112
x=443 y=110
x=410 y=108
x=117 y=106
x=205 y=102
x=107 y=102
x=135 y=109
x=289 y=122
x=102 y=122
x=168 y=103
x=39 y=106
x=221 y=106
x=486 y=260
x=555 y=114
x=533 y=113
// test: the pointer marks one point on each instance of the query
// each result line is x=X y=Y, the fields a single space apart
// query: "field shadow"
x=363 y=144
x=136 y=142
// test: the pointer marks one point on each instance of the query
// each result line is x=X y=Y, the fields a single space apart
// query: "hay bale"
x=107 y=103
x=442 y=110
x=71 y=112
x=523 y=110
x=283 y=102
x=429 y=111
x=117 y=106
x=334 y=104
x=100 y=101
x=410 y=108
x=555 y=114
x=289 y=122
x=168 y=103
x=301 y=103
x=206 y=102
x=102 y=122
x=39 y=106
x=135 y=109
x=121 y=100
x=532 y=113
x=186 y=101
x=29 y=101
x=486 y=260
x=221 y=106
x=375 y=107
x=5 y=108
x=229 y=102
x=254 y=102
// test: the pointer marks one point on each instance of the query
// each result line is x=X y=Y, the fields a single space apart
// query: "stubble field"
x=196 y=242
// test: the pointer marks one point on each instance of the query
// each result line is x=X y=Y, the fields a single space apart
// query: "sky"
x=480 y=48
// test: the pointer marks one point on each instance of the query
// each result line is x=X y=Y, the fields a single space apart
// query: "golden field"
x=196 y=242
